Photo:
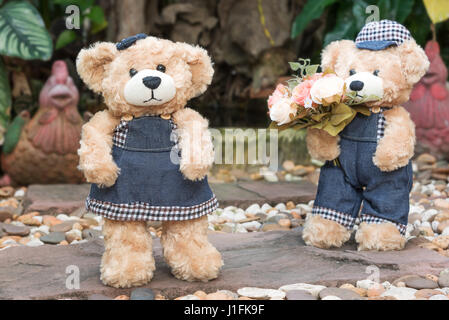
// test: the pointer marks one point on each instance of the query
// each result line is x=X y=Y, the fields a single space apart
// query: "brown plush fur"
x=396 y=148
x=400 y=68
x=127 y=260
x=324 y=233
x=380 y=237
x=188 y=251
x=321 y=145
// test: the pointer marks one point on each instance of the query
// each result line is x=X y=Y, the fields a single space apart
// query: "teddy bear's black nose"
x=356 y=85
x=151 y=82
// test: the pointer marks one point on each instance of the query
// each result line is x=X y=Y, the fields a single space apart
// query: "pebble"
x=439 y=297
x=219 y=295
x=35 y=243
x=367 y=284
x=426 y=293
x=91 y=234
x=285 y=223
x=62 y=217
x=281 y=207
x=442 y=242
x=62 y=227
x=271 y=226
x=13 y=230
x=265 y=207
x=299 y=295
x=53 y=237
x=142 y=294
x=259 y=293
x=73 y=235
x=252 y=225
x=6 y=213
x=122 y=297
x=344 y=294
x=253 y=209
x=400 y=293
x=331 y=298
x=188 y=297
x=443 y=279
x=314 y=290
x=441 y=204
x=420 y=283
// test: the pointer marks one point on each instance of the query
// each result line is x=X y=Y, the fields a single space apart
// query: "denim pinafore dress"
x=354 y=179
x=150 y=186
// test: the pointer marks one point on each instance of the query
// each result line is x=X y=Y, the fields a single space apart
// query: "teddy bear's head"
x=384 y=61
x=145 y=75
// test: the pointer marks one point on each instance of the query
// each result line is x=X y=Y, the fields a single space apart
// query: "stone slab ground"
x=268 y=260
x=65 y=198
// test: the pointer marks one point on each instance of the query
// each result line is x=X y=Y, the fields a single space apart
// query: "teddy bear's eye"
x=352 y=72
x=160 y=67
x=132 y=72
x=376 y=72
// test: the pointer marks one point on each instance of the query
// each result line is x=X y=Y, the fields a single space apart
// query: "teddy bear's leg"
x=384 y=217
x=188 y=252
x=336 y=205
x=128 y=257
x=381 y=237
x=324 y=233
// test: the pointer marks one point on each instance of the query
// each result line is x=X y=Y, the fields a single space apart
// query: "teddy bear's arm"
x=95 y=149
x=321 y=145
x=195 y=142
x=396 y=148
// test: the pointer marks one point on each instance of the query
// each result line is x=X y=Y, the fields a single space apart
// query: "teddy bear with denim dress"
x=368 y=173
x=147 y=157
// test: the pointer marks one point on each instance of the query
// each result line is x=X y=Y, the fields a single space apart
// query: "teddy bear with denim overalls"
x=147 y=157
x=368 y=173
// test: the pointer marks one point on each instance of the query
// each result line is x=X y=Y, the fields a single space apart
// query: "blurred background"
x=250 y=41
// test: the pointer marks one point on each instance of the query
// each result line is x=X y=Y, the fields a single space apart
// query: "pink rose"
x=302 y=91
x=280 y=92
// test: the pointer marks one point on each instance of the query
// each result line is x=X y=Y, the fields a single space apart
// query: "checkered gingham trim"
x=120 y=132
x=372 y=219
x=381 y=125
x=384 y=30
x=141 y=211
x=344 y=219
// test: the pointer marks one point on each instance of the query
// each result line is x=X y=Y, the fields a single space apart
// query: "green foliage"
x=5 y=96
x=312 y=10
x=23 y=33
x=13 y=134
x=88 y=11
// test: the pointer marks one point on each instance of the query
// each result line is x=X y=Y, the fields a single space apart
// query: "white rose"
x=280 y=111
x=327 y=90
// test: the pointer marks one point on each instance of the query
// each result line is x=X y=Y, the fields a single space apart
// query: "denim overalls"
x=345 y=184
x=150 y=185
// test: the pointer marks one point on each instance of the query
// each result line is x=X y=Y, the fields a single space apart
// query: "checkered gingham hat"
x=379 y=35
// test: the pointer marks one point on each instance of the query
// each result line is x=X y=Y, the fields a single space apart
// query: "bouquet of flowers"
x=315 y=100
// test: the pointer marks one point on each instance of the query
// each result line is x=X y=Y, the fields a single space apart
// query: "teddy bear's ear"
x=333 y=50
x=200 y=66
x=413 y=60
x=91 y=63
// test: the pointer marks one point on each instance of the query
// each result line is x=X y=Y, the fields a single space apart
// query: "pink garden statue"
x=429 y=106
x=46 y=148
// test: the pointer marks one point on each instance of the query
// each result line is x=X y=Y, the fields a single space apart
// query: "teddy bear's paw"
x=321 y=145
x=324 y=233
x=197 y=264
x=379 y=237
x=387 y=160
x=104 y=174
x=188 y=251
x=195 y=171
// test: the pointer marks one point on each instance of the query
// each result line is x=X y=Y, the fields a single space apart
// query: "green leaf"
x=397 y=10
x=96 y=15
x=294 y=66
x=5 y=96
x=346 y=26
x=22 y=32
x=13 y=134
x=313 y=9
x=65 y=37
